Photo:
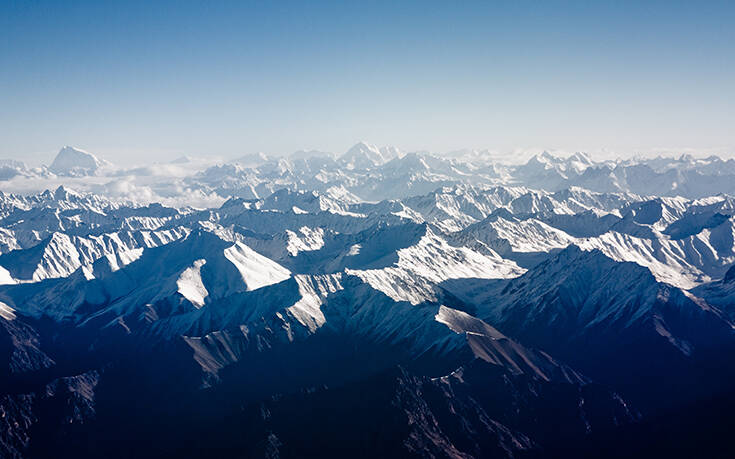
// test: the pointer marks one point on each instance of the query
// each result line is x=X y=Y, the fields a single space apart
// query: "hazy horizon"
x=123 y=158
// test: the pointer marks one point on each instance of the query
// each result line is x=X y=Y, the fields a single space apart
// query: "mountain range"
x=373 y=304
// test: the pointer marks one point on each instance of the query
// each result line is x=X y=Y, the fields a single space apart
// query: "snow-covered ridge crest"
x=429 y=262
x=256 y=270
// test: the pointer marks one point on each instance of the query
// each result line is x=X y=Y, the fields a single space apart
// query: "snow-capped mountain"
x=371 y=173
x=384 y=303
x=366 y=156
x=75 y=162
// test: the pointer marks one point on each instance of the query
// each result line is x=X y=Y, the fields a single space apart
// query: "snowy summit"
x=74 y=162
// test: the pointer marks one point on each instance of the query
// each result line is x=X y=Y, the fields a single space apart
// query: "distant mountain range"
x=375 y=304
x=371 y=173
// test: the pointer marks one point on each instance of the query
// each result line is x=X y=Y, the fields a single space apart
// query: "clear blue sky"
x=147 y=80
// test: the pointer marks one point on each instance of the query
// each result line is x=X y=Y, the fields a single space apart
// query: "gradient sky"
x=135 y=81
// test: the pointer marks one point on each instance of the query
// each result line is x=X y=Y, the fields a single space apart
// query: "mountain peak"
x=63 y=193
x=75 y=162
x=544 y=157
x=362 y=148
x=363 y=155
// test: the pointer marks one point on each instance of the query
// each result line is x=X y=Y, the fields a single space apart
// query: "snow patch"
x=305 y=240
x=313 y=290
x=190 y=284
x=6 y=312
x=256 y=270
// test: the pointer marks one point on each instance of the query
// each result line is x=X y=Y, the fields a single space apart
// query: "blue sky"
x=153 y=80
